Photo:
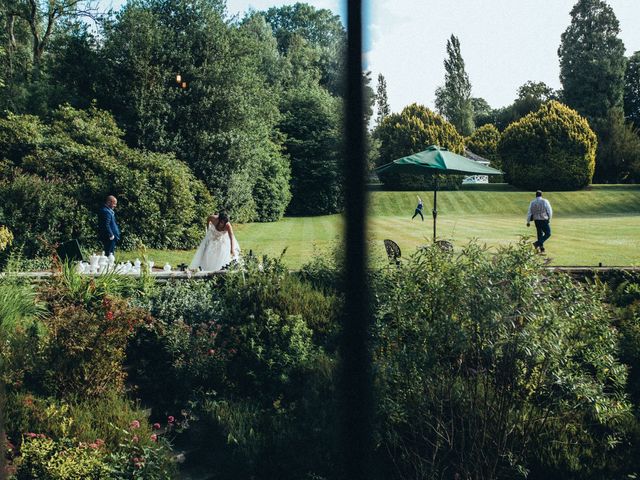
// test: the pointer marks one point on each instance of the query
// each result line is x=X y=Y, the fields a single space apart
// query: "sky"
x=504 y=43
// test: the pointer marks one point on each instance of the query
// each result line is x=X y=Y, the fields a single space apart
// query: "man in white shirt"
x=540 y=212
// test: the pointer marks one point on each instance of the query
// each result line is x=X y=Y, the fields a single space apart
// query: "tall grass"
x=19 y=306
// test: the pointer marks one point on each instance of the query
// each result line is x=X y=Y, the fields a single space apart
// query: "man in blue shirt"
x=108 y=230
x=540 y=212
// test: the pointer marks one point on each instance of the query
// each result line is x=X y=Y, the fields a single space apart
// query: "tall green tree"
x=311 y=119
x=220 y=117
x=323 y=32
x=382 y=100
x=482 y=111
x=453 y=100
x=311 y=42
x=632 y=90
x=28 y=29
x=592 y=69
x=592 y=61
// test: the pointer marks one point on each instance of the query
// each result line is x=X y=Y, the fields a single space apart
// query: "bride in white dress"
x=218 y=247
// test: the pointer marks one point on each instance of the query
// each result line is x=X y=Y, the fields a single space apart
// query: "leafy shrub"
x=54 y=183
x=46 y=459
x=179 y=354
x=311 y=123
x=89 y=330
x=43 y=212
x=489 y=367
x=484 y=142
x=411 y=131
x=86 y=439
x=277 y=410
x=618 y=154
x=271 y=192
x=6 y=237
x=551 y=149
x=20 y=328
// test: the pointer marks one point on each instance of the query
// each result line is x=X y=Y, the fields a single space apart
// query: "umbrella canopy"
x=437 y=161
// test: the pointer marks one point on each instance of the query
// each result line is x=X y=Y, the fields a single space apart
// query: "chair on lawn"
x=445 y=245
x=393 y=251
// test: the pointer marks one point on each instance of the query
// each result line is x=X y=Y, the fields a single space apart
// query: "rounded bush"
x=54 y=184
x=411 y=131
x=552 y=149
x=484 y=142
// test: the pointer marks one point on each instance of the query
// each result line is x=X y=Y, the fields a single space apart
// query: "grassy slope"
x=591 y=226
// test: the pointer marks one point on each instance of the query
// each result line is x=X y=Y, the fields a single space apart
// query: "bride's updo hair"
x=223 y=217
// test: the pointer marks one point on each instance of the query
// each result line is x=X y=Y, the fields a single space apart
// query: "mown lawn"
x=598 y=225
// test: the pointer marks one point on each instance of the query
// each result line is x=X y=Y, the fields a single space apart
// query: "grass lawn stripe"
x=592 y=226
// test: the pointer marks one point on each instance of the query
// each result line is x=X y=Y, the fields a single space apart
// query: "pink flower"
x=154 y=437
x=109 y=315
x=156 y=426
x=171 y=419
x=99 y=442
x=135 y=439
x=31 y=435
x=134 y=424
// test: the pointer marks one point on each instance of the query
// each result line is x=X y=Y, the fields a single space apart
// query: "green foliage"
x=277 y=413
x=221 y=125
x=273 y=319
x=311 y=123
x=6 y=238
x=618 y=159
x=453 y=100
x=58 y=174
x=179 y=355
x=592 y=61
x=411 y=131
x=632 y=90
x=85 y=351
x=489 y=367
x=20 y=324
x=382 y=100
x=47 y=459
x=484 y=142
x=271 y=192
x=313 y=41
x=550 y=149
x=107 y=430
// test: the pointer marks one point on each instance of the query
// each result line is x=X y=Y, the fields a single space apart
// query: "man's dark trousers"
x=109 y=246
x=543 y=229
x=418 y=212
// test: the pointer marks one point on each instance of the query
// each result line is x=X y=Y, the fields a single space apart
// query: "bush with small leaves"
x=552 y=148
x=412 y=131
x=490 y=366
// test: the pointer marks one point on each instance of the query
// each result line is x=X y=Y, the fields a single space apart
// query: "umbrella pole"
x=435 y=205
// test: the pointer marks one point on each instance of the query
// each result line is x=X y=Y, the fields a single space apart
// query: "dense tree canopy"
x=592 y=61
x=484 y=142
x=632 y=90
x=551 y=149
x=54 y=177
x=411 y=131
x=453 y=100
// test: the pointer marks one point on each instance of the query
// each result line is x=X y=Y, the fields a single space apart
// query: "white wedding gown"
x=214 y=251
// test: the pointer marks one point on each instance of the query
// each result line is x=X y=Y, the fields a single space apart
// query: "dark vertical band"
x=356 y=378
